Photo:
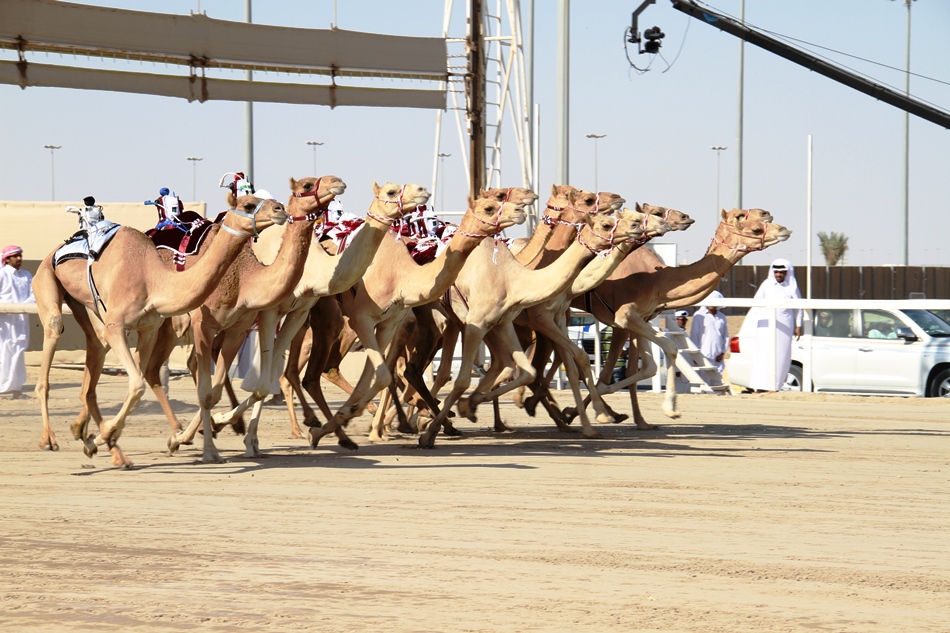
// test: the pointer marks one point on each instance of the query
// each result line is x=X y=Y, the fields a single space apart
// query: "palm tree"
x=833 y=247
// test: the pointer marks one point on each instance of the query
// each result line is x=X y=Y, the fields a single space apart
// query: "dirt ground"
x=769 y=512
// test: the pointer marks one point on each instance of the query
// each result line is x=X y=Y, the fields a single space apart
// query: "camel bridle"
x=321 y=207
x=244 y=214
x=742 y=247
x=577 y=225
x=606 y=250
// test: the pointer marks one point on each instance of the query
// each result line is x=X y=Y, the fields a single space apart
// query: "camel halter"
x=742 y=247
x=313 y=215
x=606 y=250
x=245 y=214
x=576 y=225
x=644 y=238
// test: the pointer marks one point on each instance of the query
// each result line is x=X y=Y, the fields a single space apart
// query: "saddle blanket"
x=86 y=245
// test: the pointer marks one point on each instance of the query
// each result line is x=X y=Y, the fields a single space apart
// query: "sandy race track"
x=783 y=512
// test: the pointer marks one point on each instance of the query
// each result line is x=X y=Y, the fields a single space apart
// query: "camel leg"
x=165 y=342
x=577 y=367
x=111 y=431
x=95 y=360
x=204 y=334
x=376 y=377
x=471 y=340
x=49 y=302
x=644 y=333
x=297 y=358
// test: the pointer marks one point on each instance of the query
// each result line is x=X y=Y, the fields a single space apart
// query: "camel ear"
x=722 y=214
x=639 y=208
x=483 y=193
x=293 y=184
x=553 y=190
x=375 y=188
x=471 y=202
x=571 y=197
x=231 y=198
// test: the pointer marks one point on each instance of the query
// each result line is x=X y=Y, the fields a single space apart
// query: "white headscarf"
x=715 y=294
x=789 y=282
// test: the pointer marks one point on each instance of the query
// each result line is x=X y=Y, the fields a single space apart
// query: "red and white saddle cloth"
x=423 y=233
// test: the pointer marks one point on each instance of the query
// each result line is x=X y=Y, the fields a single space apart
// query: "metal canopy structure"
x=199 y=44
x=495 y=88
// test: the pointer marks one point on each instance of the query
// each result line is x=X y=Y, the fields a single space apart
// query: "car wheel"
x=793 y=381
x=940 y=385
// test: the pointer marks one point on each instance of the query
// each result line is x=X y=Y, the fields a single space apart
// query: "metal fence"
x=870 y=283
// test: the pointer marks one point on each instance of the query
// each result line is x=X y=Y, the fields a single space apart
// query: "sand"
x=768 y=512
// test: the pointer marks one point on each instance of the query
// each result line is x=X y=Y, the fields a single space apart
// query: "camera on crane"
x=653 y=37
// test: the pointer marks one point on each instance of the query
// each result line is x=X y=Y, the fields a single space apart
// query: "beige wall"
x=41 y=227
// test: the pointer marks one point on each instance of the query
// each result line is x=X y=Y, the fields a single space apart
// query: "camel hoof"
x=213 y=459
x=531 y=406
x=77 y=431
x=405 y=429
x=89 y=447
x=49 y=446
x=238 y=426
x=172 y=444
x=314 y=438
x=620 y=417
x=645 y=426
x=427 y=443
x=592 y=434
x=451 y=431
x=312 y=422
x=569 y=414
x=605 y=418
x=349 y=444
x=501 y=427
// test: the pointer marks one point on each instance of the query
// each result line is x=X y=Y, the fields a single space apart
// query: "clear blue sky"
x=659 y=125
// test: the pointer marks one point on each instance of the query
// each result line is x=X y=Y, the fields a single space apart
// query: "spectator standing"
x=781 y=284
x=710 y=333
x=681 y=317
x=16 y=286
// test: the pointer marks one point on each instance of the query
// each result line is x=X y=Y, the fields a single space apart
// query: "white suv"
x=873 y=351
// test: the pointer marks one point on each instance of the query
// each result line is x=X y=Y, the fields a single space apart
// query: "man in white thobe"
x=710 y=333
x=781 y=284
x=16 y=286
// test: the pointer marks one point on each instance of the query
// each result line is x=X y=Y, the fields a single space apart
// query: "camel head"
x=392 y=200
x=250 y=215
x=677 y=220
x=310 y=194
x=757 y=215
x=603 y=229
x=650 y=225
x=745 y=236
x=487 y=216
x=510 y=194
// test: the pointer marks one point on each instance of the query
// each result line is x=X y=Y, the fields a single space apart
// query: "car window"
x=833 y=323
x=879 y=324
x=930 y=322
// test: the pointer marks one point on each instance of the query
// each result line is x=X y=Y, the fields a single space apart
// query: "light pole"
x=314 y=145
x=194 y=177
x=596 y=137
x=905 y=189
x=52 y=170
x=718 y=149
x=442 y=158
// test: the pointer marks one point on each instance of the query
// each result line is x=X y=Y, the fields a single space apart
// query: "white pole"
x=741 y=103
x=562 y=90
x=806 y=370
x=905 y=190
x=248 y=114
x=808 y=232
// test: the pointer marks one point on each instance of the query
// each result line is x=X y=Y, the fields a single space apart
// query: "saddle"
x=183 y=236
x=87 y=245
